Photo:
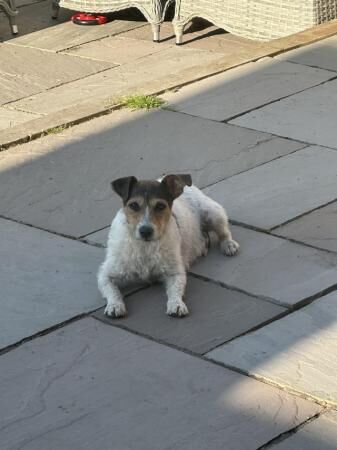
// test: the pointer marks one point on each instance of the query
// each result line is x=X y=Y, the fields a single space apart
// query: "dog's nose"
x=146 y=231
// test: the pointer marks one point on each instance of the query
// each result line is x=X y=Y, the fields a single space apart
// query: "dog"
x=159 y=232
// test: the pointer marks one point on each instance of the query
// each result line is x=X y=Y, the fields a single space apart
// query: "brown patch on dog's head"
x=148 y=204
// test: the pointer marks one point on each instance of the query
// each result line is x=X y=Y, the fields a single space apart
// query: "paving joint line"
x=55 y=233
x=270 y=232
x=282 y=98
x=202 y=357
x=60 y=325
x=303 y=214
x=262 y=163
x=283 y=436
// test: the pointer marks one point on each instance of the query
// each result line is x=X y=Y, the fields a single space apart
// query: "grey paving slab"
x=100 y=237
x=318 y=228
x=45 y=280
x=28 y=71
x=319 y=434
x=62 y=182
x=297 y=351
x=245 y=88
x=216 y=315
x=276 y=192
x=66 y=35
x=116 y=82
x=308 y=116
x=321 y=54
x=271 y=267
x=9 y=118
x=117 y=50
x=92 y=386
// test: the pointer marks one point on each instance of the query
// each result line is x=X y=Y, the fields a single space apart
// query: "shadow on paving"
x=61 y=183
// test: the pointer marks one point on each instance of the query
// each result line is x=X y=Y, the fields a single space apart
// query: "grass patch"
x=142 y=102
x=55 y=130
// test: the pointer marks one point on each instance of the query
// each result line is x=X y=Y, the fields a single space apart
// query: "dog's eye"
x=160 y=206
x=134 y=206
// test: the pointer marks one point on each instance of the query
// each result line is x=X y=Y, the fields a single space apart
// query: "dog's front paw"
x=115 y=310
x=177 y=309
x=230 y=247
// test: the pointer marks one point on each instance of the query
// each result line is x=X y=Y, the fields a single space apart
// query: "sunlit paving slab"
x=10 y=118
x=93 y=386
x=216 y=315
x=166 y=69
x=320 y=434
x=62 y=182
x=62 y=36
x=321 y=54
x=281 y=190
x=45 y=279
x=308 y=116
x=115 y=49
x=244 y=88
x=318 y=228
x=271 y=267
x=296 y=352
x=24 y=72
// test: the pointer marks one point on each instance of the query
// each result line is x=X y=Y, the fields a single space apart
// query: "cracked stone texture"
x=281 y=190
x=308 y=116
x=24 y=72
x=56 y=36
x=271 y=267
x=318 y=228
x=216 y=315
x=9 y=118
x=89 y=385
x=45 y=280
x=320 y=434
x=161 y=69
x=117 y=50
x=321 y=54
x=62 y=182
x=297 y=351
x=244 y=88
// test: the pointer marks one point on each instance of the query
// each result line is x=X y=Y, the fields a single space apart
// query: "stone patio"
x=253 y=366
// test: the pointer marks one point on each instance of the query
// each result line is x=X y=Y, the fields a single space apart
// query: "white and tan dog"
x=160 y=231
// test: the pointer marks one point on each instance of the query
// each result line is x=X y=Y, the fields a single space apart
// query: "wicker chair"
x=11 y=12
x=255 y=19
x=153 y=10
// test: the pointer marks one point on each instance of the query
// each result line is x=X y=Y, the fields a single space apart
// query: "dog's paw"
x=229 y=247
x=115 y=310
x=177 y=309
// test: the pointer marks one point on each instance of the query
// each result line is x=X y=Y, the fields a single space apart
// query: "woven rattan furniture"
x=255 y=19
x=153 y=10
x=11 y=12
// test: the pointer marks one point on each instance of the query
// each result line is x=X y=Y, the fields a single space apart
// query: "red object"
x=88 y=19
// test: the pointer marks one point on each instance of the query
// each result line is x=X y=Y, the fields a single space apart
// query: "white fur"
x=167 y=259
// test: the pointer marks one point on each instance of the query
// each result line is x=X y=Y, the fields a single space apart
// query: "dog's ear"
x=123 y=187
x=175 y=184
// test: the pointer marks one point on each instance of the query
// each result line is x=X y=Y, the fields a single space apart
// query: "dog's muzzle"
x=146 y=232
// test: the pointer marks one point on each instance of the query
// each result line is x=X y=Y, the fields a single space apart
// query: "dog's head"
x=148 y=204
